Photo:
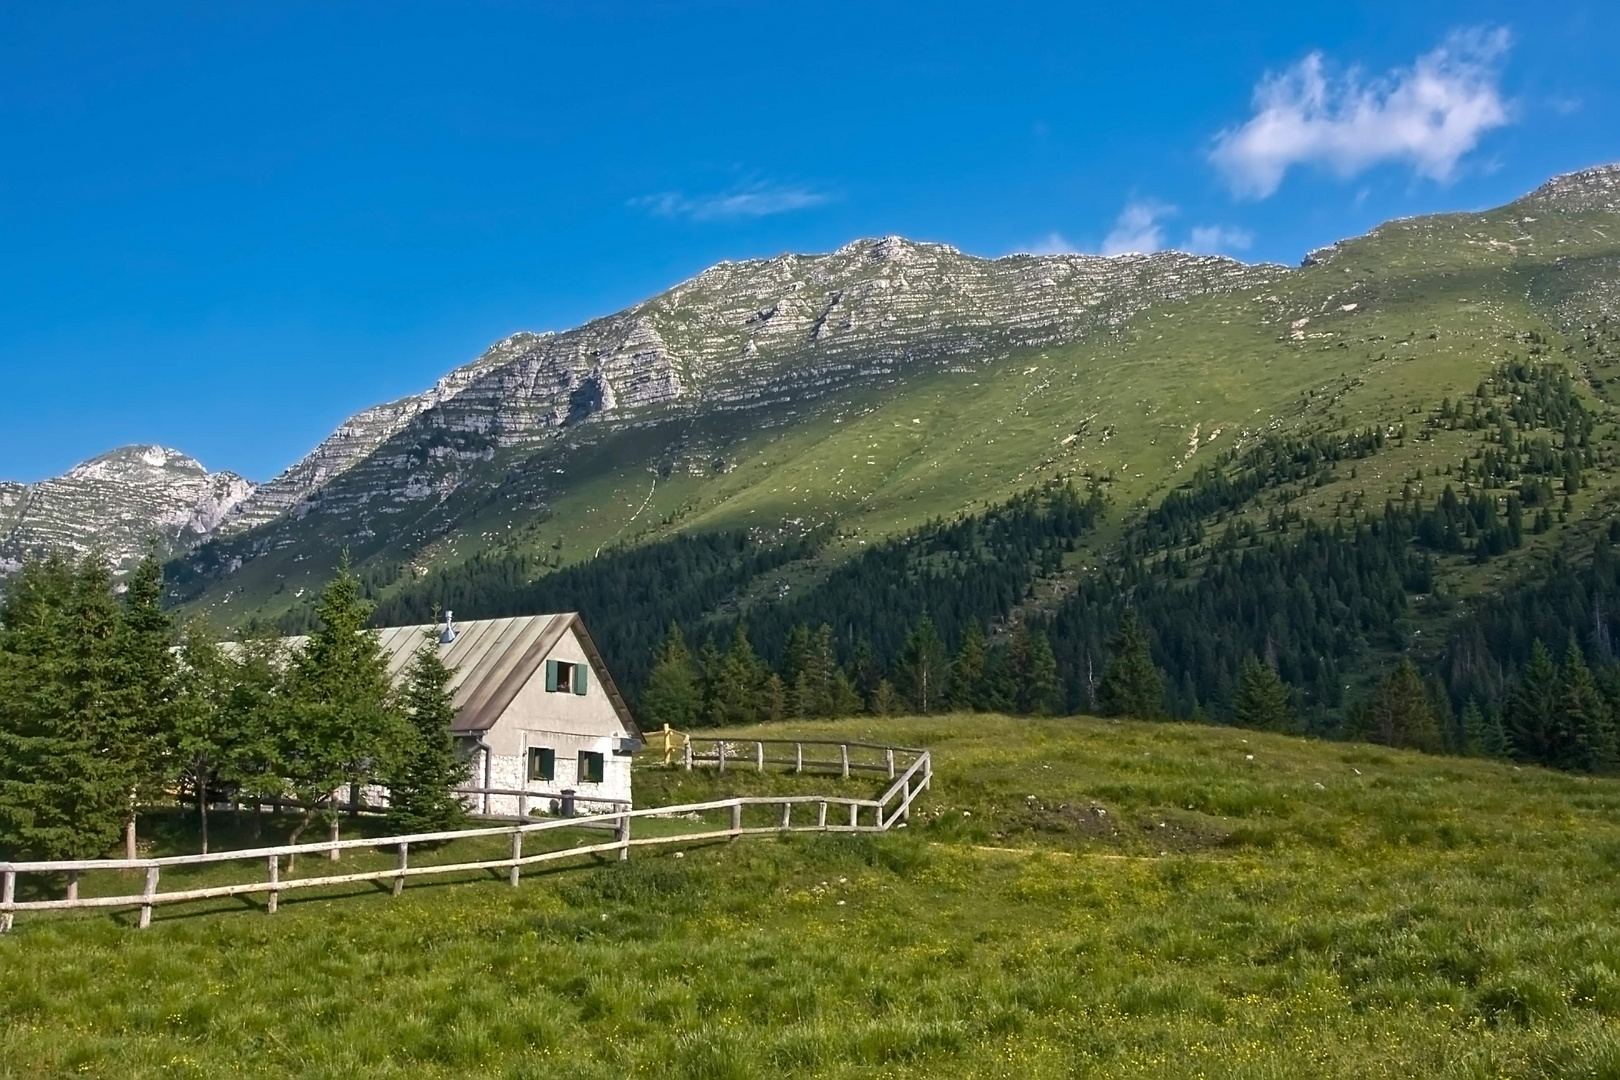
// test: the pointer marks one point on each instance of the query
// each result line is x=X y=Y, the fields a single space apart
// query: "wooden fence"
x=851 y=756
x=853 y=815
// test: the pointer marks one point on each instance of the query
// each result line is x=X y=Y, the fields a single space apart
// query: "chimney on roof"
x=449 y=633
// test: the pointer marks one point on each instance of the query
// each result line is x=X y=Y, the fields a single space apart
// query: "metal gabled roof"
x=492 y=660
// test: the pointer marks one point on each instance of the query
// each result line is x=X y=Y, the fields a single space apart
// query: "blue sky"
x=225 y=227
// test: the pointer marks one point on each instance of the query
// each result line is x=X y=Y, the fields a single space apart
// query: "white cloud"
x=753 y=200
x=1219 y=239
x=1053 y=243
x=1428 y=115
x=1137 y=229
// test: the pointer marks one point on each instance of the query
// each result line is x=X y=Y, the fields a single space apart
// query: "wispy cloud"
x=1428 y=115
x=752 y=200
x=1218 y=240
x=1053 y=243
x=1138 y=229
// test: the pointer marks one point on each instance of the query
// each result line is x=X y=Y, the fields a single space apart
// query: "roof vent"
x=449 y=633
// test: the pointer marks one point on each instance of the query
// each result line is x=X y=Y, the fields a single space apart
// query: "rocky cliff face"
x=121 y=501
x=739 y=336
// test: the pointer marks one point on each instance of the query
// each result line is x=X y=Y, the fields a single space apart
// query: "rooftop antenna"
x=449 y=633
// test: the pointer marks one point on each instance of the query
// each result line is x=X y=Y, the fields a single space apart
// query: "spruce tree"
x=1262 y=700
x=1132 y=685
x=1043 y=688
x=63 y=792
x=967 y=693
x=201 y=724
x=1585 y=714
x=1531 y=718
x=341 y=727
x=147 y=678
x=1401 y=712
x=885 y=701
x=1473 y=730
x=843 y=700
x=255 y=705
x=921 y=676
x=737 y=688
x=673 y=695
x=427 y=766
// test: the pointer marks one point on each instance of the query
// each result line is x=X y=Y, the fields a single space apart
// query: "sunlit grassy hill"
x=1074 y=898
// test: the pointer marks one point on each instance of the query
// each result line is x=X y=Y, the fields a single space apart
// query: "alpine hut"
x=536 y=709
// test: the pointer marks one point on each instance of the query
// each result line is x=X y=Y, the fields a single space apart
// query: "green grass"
x=1074 y=898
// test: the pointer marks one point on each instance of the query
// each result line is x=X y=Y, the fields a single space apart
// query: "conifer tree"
x=1585 y=714
x=737 y=689
x=968 y=670
x=1262 y=700
x=673 y=695
x=256 y=677
x=1043 y=688
x=340 y=727
x=921 y=676
x=1401 y=713
x=427 y=766
x=843 y=699
x=1132 y=685
x=1473 y=730
x=773 y=699
x=709 y=661
x=201 y=726
x=147 y=678
x=1532 y=719
x=63 y=794
x=885 y=701
x=864 y=672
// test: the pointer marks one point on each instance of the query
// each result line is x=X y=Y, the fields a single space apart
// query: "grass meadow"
x=1074 y=898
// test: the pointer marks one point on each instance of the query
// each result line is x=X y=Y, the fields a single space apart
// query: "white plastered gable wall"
x=566 y=723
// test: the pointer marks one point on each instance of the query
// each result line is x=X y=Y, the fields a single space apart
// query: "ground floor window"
x=590 y=767
x=542 y=763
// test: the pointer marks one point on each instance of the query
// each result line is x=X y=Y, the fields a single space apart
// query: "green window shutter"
x=581 y=674
x=551 y=676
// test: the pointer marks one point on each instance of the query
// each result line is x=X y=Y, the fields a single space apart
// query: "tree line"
x=108 y=707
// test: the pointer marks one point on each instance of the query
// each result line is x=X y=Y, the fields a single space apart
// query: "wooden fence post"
x=798 y=757
x=146 y=896
x=720 y=752
x=686 y=754
x=888 y=756
x=8 y=894
x=73 y=885
x=333 y=854
x=517 y=854
x=523 y=808
x=736 y=819
x=854 y=815
x=787 y=815
x=275 y=878
x=622 y=835
x=404 y=861
x=759 y=756
x=843 y=753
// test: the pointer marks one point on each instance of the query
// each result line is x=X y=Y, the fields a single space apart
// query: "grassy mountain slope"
x=1370 y=332
x=1074 y=897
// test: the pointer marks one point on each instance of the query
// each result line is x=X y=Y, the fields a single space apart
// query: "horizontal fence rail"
x=833 y=813
x=700 y=751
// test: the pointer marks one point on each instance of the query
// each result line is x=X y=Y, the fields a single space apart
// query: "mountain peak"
x=1588 y=190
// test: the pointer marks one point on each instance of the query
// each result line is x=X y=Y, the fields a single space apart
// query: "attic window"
x=590 y=767
x=566 y=677
x=542 y=763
